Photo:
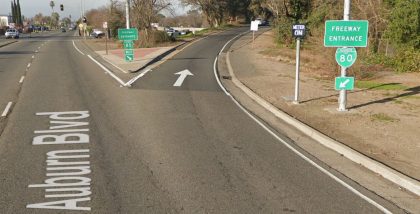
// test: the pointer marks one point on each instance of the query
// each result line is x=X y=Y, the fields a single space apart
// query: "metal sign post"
x=298 y=32
x=254 y=27
x=296 y=100
x=127 y=13
x=343 y=93
x=105 y=26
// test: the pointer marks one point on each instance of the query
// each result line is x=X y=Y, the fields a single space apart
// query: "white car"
x=12 y=33
x=97 y=33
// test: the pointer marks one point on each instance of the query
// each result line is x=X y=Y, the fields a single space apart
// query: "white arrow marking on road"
x=183 y=74
x=343 y=84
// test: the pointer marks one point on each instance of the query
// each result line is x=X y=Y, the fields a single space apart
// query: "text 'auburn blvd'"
x=67 y=185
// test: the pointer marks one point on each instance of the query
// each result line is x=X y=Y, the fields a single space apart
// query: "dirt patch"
x=384 y=117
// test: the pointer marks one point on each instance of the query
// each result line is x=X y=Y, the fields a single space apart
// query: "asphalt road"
x=75 y=140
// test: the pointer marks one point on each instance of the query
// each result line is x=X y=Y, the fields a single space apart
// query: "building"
x=5 y=20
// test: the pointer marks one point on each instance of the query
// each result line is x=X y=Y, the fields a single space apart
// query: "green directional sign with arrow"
x=344 y=83
x=129 y=57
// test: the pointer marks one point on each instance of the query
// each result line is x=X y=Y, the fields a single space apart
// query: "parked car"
x=97 y=33
x=12 y=33
x=63 y=30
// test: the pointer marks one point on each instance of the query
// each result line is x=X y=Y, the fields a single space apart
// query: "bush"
x=151 y=38
x=407 y=60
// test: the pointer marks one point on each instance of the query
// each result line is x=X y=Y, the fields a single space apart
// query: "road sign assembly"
x=346 y=57
x=127 y=36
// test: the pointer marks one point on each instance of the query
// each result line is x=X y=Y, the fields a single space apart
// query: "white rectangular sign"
x=254 y=25
x=105 y=25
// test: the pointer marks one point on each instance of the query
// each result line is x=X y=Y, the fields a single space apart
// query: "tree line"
x=394 y=32
x=394 y=25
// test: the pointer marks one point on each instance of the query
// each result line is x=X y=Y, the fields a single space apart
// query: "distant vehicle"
x=262 y=22
x=12 y=33
x=63 y=30
x=185 y=32
x=97 y=33
x=172 y=32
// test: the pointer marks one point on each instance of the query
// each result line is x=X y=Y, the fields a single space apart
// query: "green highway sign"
x=340 y=33
x=346 y=57
x=128 y=52
x=128 y=34
x=128 y=44
x=129 y=57
x=344 y=83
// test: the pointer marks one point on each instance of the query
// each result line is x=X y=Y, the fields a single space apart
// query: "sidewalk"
x=381 y=124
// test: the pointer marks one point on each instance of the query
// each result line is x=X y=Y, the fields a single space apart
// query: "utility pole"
x=343 y=93
x=127 y=13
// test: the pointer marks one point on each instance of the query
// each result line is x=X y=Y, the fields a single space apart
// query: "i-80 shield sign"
x=346 y=57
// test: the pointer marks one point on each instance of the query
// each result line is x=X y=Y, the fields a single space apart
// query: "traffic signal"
x=61 y=7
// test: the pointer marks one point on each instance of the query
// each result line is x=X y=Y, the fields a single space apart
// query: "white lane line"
x=217 y=76
x=33 y=56
x=74 y=45
x=137 y=77
x=329 y=174
x=6 y=110
x=21 y=79
x=29 y=65
x=108 y=71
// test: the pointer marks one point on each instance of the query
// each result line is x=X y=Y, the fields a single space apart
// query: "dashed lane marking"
x=21 y=79
x=7 y=109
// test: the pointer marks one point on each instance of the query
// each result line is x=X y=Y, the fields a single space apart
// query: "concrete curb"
x=353 y=155
x=7 y=43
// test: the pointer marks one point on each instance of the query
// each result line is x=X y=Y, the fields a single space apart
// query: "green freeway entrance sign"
x=339 y=33
x=346 y=57
x=128 y=44
x=128 y=34
x=344 y=83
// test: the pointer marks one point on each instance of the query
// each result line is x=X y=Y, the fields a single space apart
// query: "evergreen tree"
x=15 y=16
x=19 y=14
x=13 y=12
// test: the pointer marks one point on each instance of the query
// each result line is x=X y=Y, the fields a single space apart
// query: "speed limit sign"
x=346 y=57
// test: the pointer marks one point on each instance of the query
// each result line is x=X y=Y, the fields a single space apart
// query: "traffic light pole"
x=343 y=93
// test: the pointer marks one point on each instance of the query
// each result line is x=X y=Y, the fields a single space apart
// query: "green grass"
x=380 y=86
x=383 y=118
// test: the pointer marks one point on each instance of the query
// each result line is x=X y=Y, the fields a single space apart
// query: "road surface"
x=73 y=141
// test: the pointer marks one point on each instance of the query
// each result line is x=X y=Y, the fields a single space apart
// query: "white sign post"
x=299 y=32
x=105 y=26
x=254 y=27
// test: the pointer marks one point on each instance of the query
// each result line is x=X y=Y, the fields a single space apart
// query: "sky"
x=71 y=7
